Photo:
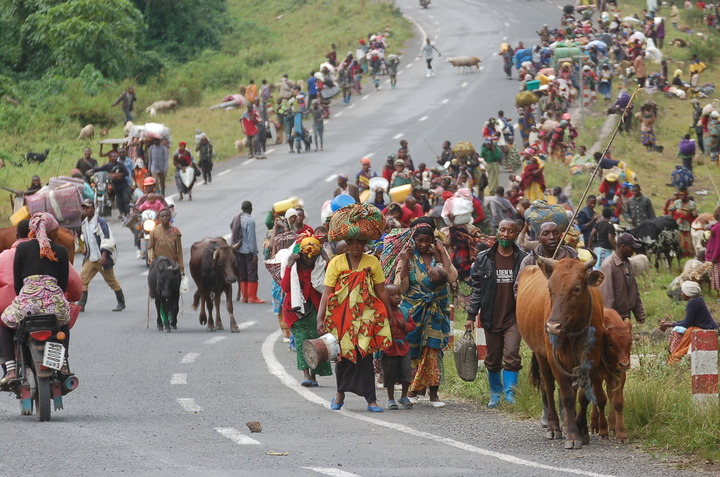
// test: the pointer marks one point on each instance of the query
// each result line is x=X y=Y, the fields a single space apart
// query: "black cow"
x=659 y=237
x=212 y=267
x=164 y=283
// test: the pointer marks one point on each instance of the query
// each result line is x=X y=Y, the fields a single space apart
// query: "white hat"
x=691 y=289
x=290 y=213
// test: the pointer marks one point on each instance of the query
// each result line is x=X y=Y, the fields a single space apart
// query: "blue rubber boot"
x=510 y=378
x=496 y=388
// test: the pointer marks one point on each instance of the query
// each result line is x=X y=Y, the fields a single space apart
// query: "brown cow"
x=212 y=267
x=560 y=317
x=65 y=238
x=614 y=364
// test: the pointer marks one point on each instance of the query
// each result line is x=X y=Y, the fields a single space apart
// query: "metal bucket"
x=319 y=350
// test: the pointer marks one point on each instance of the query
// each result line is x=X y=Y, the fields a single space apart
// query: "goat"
x=36 y=156
x=641 y=266
x=88 y=132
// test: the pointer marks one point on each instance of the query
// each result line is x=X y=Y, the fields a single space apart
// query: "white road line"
x=464 y=84
x=248 y=162
x=366 y=96
x=432 y=17
x=337 y=115
x=369 y=154
x=436 y=37
x=270 y=151
x=331 y=178
x=387 y=81
x=399 y=72
x=351 y=106
x=189 y=358
x=423 y=118
x=507 y=24
x=247 y=324
x=445 y=101
x=189 y=405
x=214 y=340
x=145 y=273
x=437 y=23
x=179 y=378
x=504 y=38
x=227 y=171
x=481 y=67
x=495 y=53
x=331 y=472
x=236 y=436
x=278 y=370
x=398 y=136
x=408 y=66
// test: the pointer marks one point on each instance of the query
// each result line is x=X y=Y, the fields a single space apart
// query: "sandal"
x=9 y=376
x=313 y=383
x=392 y=405
x=307 y=383
x=336 y=406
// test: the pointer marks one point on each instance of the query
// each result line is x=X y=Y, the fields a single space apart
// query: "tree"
x=67 y=35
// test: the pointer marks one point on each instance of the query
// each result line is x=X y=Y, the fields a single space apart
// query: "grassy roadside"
x=271 y=38
x=659 y=414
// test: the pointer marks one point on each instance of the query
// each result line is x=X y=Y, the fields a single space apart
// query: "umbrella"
x=463 y=148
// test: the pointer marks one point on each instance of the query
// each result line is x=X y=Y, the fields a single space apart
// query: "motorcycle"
x=424 y=3
x=100 y=182
x=40 y=355
x=146 y=222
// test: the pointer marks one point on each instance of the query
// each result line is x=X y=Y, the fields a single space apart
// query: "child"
x=438 y=277
x=395 y=361
x=153 y=202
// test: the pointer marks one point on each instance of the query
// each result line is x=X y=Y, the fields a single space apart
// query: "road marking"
x=278 y=370
x=445 y=101
x=481 y=68
x=145 y=273
x=495 y=53
x=464 y=84
x=331 y=472
x=398 y=136
x=246 y=324
x=432 y=17
x=189 y=405
x=228 y=171
x=366 y=96
x=436 y=37
x=337 y=115
x=369 y=154
x=387 y=81
x=507 y=24
x=351 y=106
x=331 y=178
x=423 y=118
x=504 y=38
x=214 y=340
x=189 y=358
x=179 y=378
x=408 y=66
x=399 y=72
x=236 y=436
x=437 y=23
x=248 y=162
x=270 y=151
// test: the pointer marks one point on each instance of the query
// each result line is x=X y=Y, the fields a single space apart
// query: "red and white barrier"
x=704 y=366
x=481 y=344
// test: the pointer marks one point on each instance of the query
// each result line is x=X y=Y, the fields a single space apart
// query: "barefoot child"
x=395 y=361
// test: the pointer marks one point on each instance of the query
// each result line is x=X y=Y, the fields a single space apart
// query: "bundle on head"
x=355 y=221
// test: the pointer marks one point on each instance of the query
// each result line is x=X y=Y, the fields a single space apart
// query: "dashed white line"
x=409 y=66
x=248 y=161
x=226 y=171
x=423 y=118
x=278 y=370
x=464 y=84
x=236 y=436
x=337 y=115
x=270 y=151
x=387 y=81
x=445 y=101
x=507 y=24
x=504 y=38
x=145 y=273
x=369 y=154
x=331 y=472
x=179 y=378
x=495 y=53
x=189 y=405
x=398 y=136
x=246 y=324
x=432 y=17
x=437 y=23
x=399 y=72
x=366 y=96
x=189 y=358
x=214 y=340
x=351 y=106
x=331 y=178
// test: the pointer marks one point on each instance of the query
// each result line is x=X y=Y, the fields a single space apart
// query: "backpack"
x=681 y=178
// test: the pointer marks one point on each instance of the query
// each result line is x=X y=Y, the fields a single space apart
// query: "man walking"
x=243 y=232
x=128 y=99
x=100 y=254
x=620 y=289
x=638 y=207
x=587 y=217
x=427 y=52
x=159 y=162
x=493 y=278
x=249 y=122
x=500 y=208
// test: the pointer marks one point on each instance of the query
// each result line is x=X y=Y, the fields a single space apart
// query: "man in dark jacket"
x=493 y=278
x=119 y=176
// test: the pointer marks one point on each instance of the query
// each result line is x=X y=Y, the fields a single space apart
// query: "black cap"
x=627 y=239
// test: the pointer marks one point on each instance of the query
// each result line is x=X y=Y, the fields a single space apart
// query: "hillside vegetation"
x=65 y=62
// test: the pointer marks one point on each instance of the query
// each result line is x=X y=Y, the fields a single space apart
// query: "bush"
x=707 y=50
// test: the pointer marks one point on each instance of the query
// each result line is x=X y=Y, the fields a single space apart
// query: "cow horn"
x=237 y=245
x=215 y=254
x=547 y=263
x=591 y=263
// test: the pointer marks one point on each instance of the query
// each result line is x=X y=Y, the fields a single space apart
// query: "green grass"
x=273 y=37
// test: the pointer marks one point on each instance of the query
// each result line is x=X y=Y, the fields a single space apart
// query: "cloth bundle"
x=355 y=221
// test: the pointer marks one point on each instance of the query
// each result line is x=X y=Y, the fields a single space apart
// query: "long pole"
x=597 y=168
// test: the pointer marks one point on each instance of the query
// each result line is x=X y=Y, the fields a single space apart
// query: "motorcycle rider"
x=149 y=186
x=40 y=279
x=119 y=176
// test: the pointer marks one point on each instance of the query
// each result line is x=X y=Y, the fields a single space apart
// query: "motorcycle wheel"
x=42 y=400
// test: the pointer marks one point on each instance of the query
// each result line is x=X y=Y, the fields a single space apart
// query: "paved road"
x=176 y=404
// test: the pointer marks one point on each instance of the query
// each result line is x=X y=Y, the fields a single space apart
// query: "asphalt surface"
x=176 y=404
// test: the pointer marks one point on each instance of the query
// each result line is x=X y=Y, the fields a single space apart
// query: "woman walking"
x=182 y=160
x=425 y=271
x=354 y=306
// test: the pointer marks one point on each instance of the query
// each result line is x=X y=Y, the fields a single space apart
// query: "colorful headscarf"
x=310 y=246
x=40 y=224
